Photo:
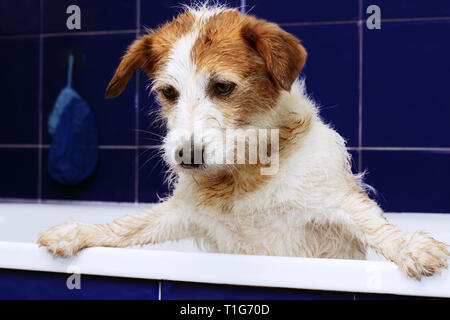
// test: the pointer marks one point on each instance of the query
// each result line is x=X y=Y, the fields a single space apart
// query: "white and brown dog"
x=216 y=69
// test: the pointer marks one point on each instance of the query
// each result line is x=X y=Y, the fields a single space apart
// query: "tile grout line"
x=160 y=290
x=136 y=115
x=69 y=34
x=361 y=20
x=136 y=149
x=431 y=149
x=46 y=146
x=286 y=24
x=360 y=6
x=132 y=147
x=415 y=19
x=20 y=146
x=40 y=99
x=360 y=85
x=118 y=147
x=89 y=33
x=317 y=23
x=242 y=5
x=138 y=17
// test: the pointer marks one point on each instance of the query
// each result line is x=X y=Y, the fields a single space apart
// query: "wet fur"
x=313 y=207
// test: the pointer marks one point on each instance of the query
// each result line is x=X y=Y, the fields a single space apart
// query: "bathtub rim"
x=355 y=276
x=364 y=276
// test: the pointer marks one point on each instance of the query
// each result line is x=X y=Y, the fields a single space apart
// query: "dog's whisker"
x=149 y=132
x=310 y=205
x=155 y=155
x=154 y=166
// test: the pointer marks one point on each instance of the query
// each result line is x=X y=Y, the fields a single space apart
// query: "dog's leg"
x=416 y=253
x=162 y=222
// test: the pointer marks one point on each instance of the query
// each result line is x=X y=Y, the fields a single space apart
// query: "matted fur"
x=313 y=207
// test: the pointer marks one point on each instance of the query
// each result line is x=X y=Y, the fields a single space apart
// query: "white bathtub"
x=20 y=225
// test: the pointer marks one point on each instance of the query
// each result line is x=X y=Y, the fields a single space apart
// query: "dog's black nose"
x=190 y=155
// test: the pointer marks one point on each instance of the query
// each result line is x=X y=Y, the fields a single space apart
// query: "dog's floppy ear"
x=138 y=56
x=282 y=52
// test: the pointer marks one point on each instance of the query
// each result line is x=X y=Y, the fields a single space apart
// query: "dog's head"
x=213 y=69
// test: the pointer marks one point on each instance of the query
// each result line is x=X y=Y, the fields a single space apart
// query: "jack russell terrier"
x=216 y=70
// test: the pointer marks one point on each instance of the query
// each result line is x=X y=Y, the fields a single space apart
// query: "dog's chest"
x=256 y=232
x=280 y=231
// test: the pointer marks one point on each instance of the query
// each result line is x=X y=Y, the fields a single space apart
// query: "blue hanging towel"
x=74 y=150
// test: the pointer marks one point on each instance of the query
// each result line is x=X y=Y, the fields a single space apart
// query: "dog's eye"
x=169 y=92
x=223 y=88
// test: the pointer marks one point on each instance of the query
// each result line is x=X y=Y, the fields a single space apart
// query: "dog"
x=216 y=69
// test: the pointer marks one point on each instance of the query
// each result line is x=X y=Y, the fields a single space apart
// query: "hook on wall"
x=78 y=60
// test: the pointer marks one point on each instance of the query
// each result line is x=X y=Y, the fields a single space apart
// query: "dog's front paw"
x=421 y=255
x=63 y=240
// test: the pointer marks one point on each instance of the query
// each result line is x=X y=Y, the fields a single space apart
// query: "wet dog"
x=215 y=70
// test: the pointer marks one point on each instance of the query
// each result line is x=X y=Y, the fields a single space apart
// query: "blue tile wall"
x=113 y=179
x=404 y=9
x=20 y=17
x=410 y=180
x=18 y=172
x=150 y=134
x=157 y=12
x=332 y=80
x=411 y=106
x=374 y=296
x=151 y=127
x=355 y=159
x=20 y=90
x=115 y=117
x=98 y=15
x=385 y=91
x=33 y=285
x=174 y=290
x=287 y=11
x=151 y=169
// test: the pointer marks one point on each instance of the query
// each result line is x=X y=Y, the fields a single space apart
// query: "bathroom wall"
x=385 y=90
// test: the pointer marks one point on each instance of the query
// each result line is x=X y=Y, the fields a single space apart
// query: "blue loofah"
x=64 y=98
x=74 y=149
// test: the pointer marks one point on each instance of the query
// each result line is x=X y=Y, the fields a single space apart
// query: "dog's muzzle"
x=190 y=155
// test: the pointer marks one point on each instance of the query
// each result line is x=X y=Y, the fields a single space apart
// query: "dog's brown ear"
x=282 y=52
x=138 y=56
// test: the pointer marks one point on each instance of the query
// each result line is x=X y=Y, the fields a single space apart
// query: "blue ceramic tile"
x=152 y=176
x=405 y=87
x=373 y=296
x=112 y=180
x=287 y=11
x=157 y=12
x=98 y=57
x=409 y=181
x=19 y=173
x=331 y=73
x=354 y=160
x=20 y=16
x=19 y=76
x=95 y=15
x=410 y=8
x=33 y=285
x=152 y=168
x=151 y=126
x=172 y=290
